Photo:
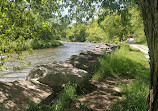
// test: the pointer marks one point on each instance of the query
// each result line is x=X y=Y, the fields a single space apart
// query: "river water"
x=41 y=56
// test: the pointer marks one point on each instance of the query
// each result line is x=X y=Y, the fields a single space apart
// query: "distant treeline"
x=110 y=27
x=22 y=22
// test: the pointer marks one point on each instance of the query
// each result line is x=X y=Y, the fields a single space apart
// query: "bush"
x=95 y=33
x=76 y=33
x=65 y=98
x=36 y=44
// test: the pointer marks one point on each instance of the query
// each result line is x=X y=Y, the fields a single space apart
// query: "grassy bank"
x=20 y=45
x=129 y=63
x=141 y=41
x=38 y=44
x=126 y=62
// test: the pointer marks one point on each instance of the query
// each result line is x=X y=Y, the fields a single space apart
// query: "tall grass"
x=135 y=97
x=126 y=61
x=69 y=93
x=131 y=63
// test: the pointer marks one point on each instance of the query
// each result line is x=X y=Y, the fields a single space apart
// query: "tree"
x=95 y=32
x=149 y=9
x=24 y=22
x=77 y=32
x=114 y=27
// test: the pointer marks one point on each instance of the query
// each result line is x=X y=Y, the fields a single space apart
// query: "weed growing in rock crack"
x=63 y=101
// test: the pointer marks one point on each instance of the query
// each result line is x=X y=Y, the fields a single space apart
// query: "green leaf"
x=18 y=1
x=28 y=1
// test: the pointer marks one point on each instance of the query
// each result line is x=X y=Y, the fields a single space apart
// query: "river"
x=41 y=56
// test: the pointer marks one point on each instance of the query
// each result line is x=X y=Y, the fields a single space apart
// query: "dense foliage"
x=95 y=32
x=25 y=25
x=111 y=28
x=77 y=33
x=137 y=26
x=43 y=20
x=36 y=24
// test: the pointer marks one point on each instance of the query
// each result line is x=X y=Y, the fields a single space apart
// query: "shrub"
x=36 y=44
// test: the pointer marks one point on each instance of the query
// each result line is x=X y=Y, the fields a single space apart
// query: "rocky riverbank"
x=46 y=80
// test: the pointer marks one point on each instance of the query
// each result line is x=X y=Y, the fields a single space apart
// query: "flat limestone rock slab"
x=15 y=96
x=58 y=73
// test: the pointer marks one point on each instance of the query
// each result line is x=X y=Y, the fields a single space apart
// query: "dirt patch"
x=103 y=97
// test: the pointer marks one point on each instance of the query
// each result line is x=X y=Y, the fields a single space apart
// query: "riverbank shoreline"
x=42 y=44
x=40 y=56
x=68 y=70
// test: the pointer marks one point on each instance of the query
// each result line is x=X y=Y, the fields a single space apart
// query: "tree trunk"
x=149 y=9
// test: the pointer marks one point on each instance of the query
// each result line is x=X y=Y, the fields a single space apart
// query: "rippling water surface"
x=41 y=56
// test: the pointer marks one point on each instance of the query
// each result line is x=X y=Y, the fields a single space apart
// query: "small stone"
x=131 y=41
x=117 y=89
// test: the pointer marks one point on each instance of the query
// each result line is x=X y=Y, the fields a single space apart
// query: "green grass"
x=65 y=97
x=126 y=61
x=131 y=63
x=141 y=40
x=135 y=97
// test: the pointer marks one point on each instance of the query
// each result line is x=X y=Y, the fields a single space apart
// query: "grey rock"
x=103 y=47
x=15 y=96
x=114 y=46
x=131 y=41
x=94 y=53
x=58 y=73
x=97 y=46
x=86 y=62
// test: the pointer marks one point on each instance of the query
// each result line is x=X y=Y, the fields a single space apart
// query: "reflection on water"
x=41 y=56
